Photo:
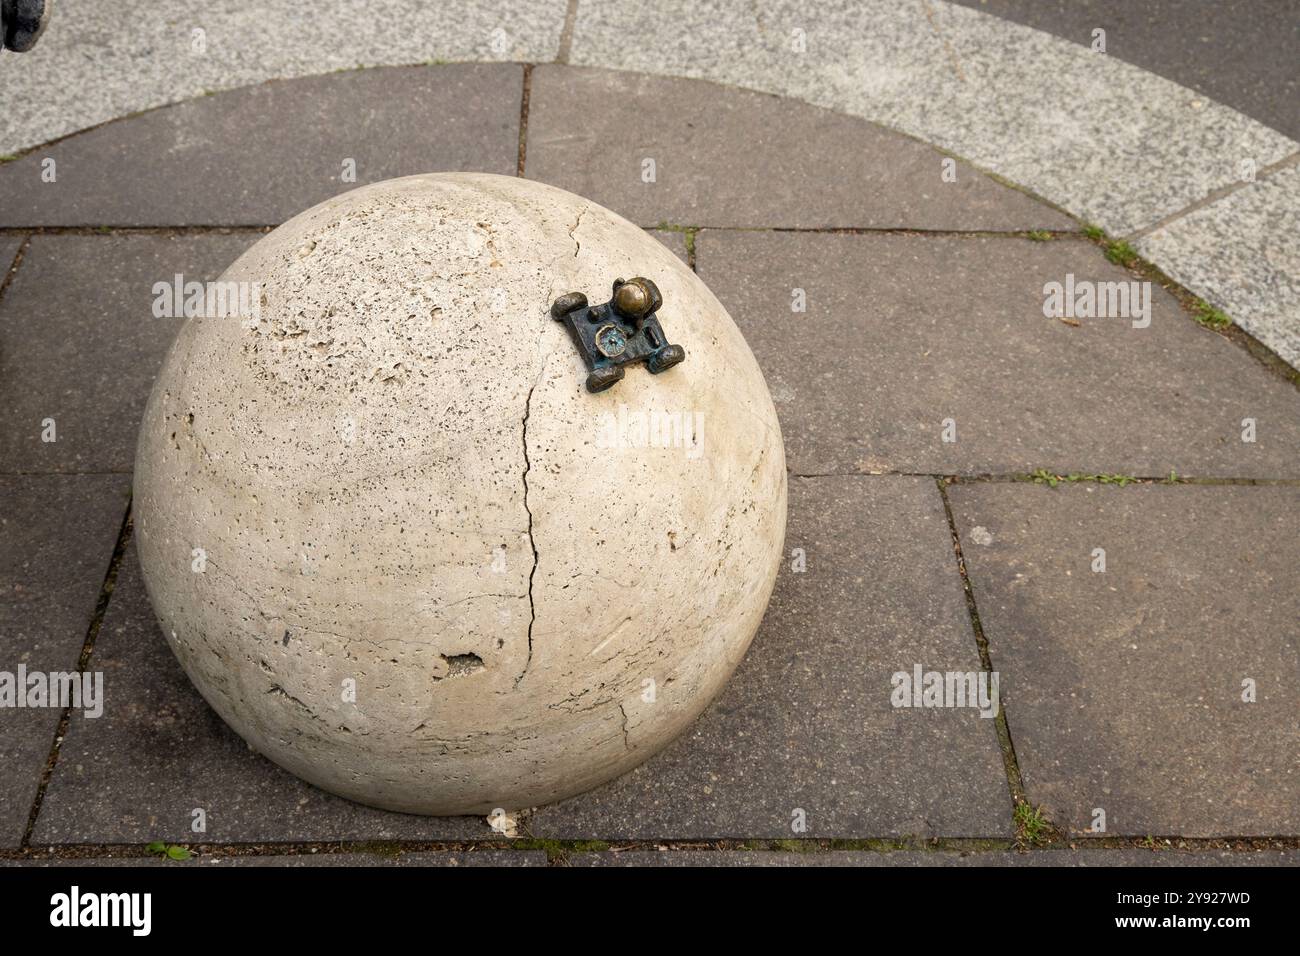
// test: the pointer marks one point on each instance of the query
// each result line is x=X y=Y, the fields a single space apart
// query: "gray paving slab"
x=9 y=246
x=439 y=858
x=806 y=723
x=263 y=154
x=1241 y=254
x=158 y=753
x=674 y=240
x=98 y=61
x=728 y=157
x=1112 y=143
x=1125 y=689
x=913 y=858
x=79 y=343
x=1239 y=52
x=903 y=332
x=57 y=534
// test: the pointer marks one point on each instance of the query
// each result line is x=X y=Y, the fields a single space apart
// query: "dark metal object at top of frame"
x=619 y=332
x=21 y=23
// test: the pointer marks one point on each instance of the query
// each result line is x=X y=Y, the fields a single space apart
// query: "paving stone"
x=903 y=332
x=728 y=157
x=88 y=68
x=1110 y=142
x=57 y=534
x=1241 y=254
x=676 y=241
x=473 y=858
x=806 y=722
x=158 y=752
x=1124 y=689
x=910 y=858
x=9 y=246
x=265 y=153
x=1240 y=52
x=79 y=343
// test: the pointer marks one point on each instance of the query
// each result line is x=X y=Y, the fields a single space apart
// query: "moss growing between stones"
x=1209 y=316
x=1121 y=253
x=1041 y=476
x=1032 y=826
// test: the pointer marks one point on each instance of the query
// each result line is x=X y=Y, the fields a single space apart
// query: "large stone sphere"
x=399 y=546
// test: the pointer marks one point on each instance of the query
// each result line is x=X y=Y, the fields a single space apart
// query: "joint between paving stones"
x=1015 y=781
x=1213 y=196
x=58 y=471
x=565 y=47
x=1042 y=477
x=114 y=230
x=91 y=229
x=17 y=261
x=83 y=662
x=1122 y=254
x=1129 y=260
x=558 y=850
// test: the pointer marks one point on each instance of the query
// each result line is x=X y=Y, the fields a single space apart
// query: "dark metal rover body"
x=619 y=332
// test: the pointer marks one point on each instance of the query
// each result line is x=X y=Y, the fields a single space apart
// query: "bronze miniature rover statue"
x=623 y=330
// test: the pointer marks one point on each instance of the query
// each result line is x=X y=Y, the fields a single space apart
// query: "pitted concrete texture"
x=397 y=478
x=137 y=772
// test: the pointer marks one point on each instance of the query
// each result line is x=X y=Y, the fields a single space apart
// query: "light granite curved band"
x=1207 y=194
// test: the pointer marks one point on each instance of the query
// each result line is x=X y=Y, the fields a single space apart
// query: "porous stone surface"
x=393 y=475
x=158 y=752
